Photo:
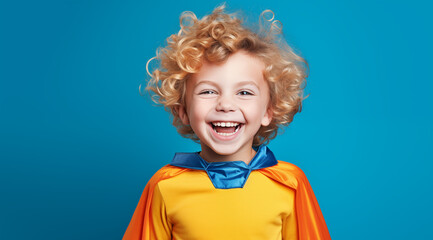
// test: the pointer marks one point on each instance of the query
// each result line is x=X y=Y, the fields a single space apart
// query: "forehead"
x=239 y=67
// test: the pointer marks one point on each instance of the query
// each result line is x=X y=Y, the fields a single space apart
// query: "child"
x=230 y=89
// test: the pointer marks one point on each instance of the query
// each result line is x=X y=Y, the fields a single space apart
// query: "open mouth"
x=226 y=128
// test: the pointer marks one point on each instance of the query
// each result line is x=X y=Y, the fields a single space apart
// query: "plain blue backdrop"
x=78 y=143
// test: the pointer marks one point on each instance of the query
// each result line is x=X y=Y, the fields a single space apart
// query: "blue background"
x=78 y=142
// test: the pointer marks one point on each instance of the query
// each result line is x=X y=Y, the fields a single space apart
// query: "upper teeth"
x=225 y=124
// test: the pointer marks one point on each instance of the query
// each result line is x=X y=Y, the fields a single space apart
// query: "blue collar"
x=226 y=175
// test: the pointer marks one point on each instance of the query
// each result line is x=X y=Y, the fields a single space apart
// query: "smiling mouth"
x=226 y=128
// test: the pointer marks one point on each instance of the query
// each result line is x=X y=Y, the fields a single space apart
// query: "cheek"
x=254 y=110
x=198 y=111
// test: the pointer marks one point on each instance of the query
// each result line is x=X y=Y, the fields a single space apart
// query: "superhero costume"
x=191 y=198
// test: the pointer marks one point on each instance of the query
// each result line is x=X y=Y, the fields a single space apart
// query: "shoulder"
x=166 y=172
x=286 y=173
x=290 y=168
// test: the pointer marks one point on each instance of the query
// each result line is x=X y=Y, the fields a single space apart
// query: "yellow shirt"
x=189 y=207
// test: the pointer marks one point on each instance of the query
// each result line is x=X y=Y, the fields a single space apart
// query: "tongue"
x=225 y=129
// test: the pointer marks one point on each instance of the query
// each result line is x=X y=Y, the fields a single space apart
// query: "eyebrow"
x=247 y=82
x=204 y=82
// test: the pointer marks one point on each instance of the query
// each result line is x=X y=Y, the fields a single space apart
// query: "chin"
x=225 y=150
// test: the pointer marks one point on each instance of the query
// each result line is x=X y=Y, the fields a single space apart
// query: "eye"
x=245 y=93
x=207 y=91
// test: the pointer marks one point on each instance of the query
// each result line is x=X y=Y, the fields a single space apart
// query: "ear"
x=181 y=111
x=267 y=118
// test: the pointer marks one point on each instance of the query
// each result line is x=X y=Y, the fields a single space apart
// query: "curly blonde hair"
x=214 y=38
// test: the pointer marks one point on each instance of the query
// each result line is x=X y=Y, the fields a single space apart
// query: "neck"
x=245 y=154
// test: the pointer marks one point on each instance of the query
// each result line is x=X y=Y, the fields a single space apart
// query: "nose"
x=225 y=104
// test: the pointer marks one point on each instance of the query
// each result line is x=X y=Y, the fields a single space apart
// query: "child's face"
x=233 y=94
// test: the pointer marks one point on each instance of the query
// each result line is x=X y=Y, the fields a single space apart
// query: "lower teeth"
x=229 y=134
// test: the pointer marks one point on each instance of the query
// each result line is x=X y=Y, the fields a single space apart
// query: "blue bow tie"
x=226 y=175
